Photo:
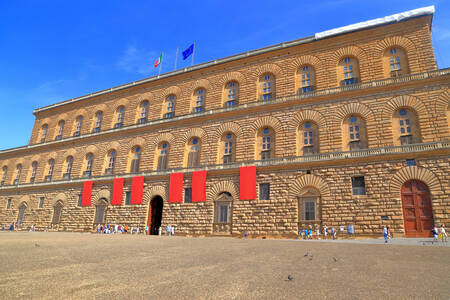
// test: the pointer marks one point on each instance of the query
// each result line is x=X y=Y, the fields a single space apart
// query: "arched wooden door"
x=417 y=211
x=155 y=215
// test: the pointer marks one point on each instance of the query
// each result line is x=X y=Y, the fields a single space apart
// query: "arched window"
x=78 y=126
x=355 y=134
x=20 y=215
x=60 y=129
x=98 y=121
x=57 y=211
x=89 y=164
x=120 y=114
x=51 y=167
x=223 y=212
x=265 y=143
x=144 y=112
x=136 y=159
x=306 y=79
x=111 y=162
x=169 y=107
x=267 y=87
x=34 y=167
x=44 y=131
x=69 y=164
x=348 y=71
x=100 y=211
x=395 y=62
x=18 y=172
x=231 y=94
x=5 y=173
x=309 y=212
x=228 y=146
x=199 y=100
x=308 y=138
x=162 y=154
x=406 y=127
x=193 y=157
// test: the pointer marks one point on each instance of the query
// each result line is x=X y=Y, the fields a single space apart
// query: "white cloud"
x=135 y=60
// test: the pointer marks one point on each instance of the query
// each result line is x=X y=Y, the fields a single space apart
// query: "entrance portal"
x=417 y=212
x=155 y=214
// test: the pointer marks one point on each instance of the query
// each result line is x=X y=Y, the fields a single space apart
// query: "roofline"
x=429 y=10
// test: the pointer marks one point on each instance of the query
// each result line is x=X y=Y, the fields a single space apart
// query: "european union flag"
x=188 y=51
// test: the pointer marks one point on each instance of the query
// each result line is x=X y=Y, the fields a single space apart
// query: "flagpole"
x=176 y=59
x=193 y=52
x=160 y=64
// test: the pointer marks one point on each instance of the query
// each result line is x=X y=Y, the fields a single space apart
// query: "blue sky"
x=51 y=51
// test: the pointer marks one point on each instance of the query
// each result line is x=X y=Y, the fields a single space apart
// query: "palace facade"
x=347 y=127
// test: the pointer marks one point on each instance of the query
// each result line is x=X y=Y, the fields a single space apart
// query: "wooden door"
x=417 y=211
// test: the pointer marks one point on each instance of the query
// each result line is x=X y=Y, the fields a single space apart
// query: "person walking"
x=435 y=233
x=443 y=233
x=325 y=232
x=385 y=234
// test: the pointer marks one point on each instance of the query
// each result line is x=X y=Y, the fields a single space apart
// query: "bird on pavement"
x=335 y=259
x=290 y=278
x=36 y=245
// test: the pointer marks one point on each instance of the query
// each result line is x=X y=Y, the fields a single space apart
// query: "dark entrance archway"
x=417 y=211
x=155 y=214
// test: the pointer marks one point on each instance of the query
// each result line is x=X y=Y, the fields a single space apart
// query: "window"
x=309 y=208
x=266 y=144
x=127 y=198
x=41 y=202
x=396 y=63
x=69 y=164
x=144 y=112
x=18 y=172
x=199 y=97
x=79 y=124
x=5 y=173
x=100 y=212
x=231 y=94
x=80 y=199
x=308 y=138
x=264 y=191
x=135 y=160
x=120 y=113
x=193 y=153
x=34 y=167
x=21 y=213
x=162 y=158
x=305 y=79
x=188 y=195
x=410 y=162
x=358 y=185
x=89 y=163
x=57 y=211
x=349 y=71
x=8 y=205
x=60 y=129
x=355 y=135
x=228 y=146
x=98 y=121
x=267 y=87
x=222 y=212
x=51 y=166
x=111 y=163
x=406 y=127
x=44 y=131
x=170 y=107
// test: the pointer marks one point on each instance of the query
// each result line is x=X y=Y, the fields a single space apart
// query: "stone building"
x=347 y=127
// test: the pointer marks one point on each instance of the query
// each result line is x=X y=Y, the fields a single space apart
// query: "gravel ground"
x=88 y=266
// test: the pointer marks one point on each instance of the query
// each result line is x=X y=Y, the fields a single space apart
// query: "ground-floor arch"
x=155 y=210
x=22 y=208
x=309 y=209
x=223 y=212
x=417 y=209
x=100 y=211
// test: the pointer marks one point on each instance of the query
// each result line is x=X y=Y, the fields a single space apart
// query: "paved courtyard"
x=88 y=266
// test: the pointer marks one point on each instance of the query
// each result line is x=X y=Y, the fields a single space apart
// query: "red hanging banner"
x=87 y=193
x=117 y=191
x=247 y=186
x=199 y=186
x=176 y=188
x=137 y=189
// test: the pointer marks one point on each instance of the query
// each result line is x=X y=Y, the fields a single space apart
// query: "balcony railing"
x=294 y=160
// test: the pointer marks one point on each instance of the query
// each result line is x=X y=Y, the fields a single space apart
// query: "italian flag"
x=158 y=62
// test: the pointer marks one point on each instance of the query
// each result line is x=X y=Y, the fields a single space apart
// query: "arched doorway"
x=155 y=214
x=223 y=213
x=100 y=211
x=21 y=213
x=57 y=211
x=309 y=209
x=417 y=211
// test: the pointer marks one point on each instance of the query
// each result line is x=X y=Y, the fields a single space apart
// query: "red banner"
x=137 y=189
x=247 y=186
x=87 y=193
x=117 y=191
x=199 y=186
x=176 y=188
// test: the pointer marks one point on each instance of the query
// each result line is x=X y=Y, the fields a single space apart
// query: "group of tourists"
x=317 y=234
x=439 y=234
x=116 y=229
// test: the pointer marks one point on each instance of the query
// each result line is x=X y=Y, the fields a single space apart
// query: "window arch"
x=199 y=100
x=34 y=167
x=162 y=153
x=50 y=169
x=5 y=173
x=193 y=152
x=143 y=110
x=135 y=159
x=231 y=94
x=57 y=211
x=22 y=208
x=18 y=173
x=89 y=162
x=354 y=133
x=120 y=115
x=309 y=211
x=395 y=62
x=68 y=169
x=100 y=211
x=266 y=89
x=308 y=138
x=227 y=148
x=44 y=131
x=348 y=71
x=306 y=79
x=78 y=125
x=110 y=162
x=406 y=129
x=61 y=125
x=98 y=121
x=223 y=210
x=169 y=107
x=265 y=143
